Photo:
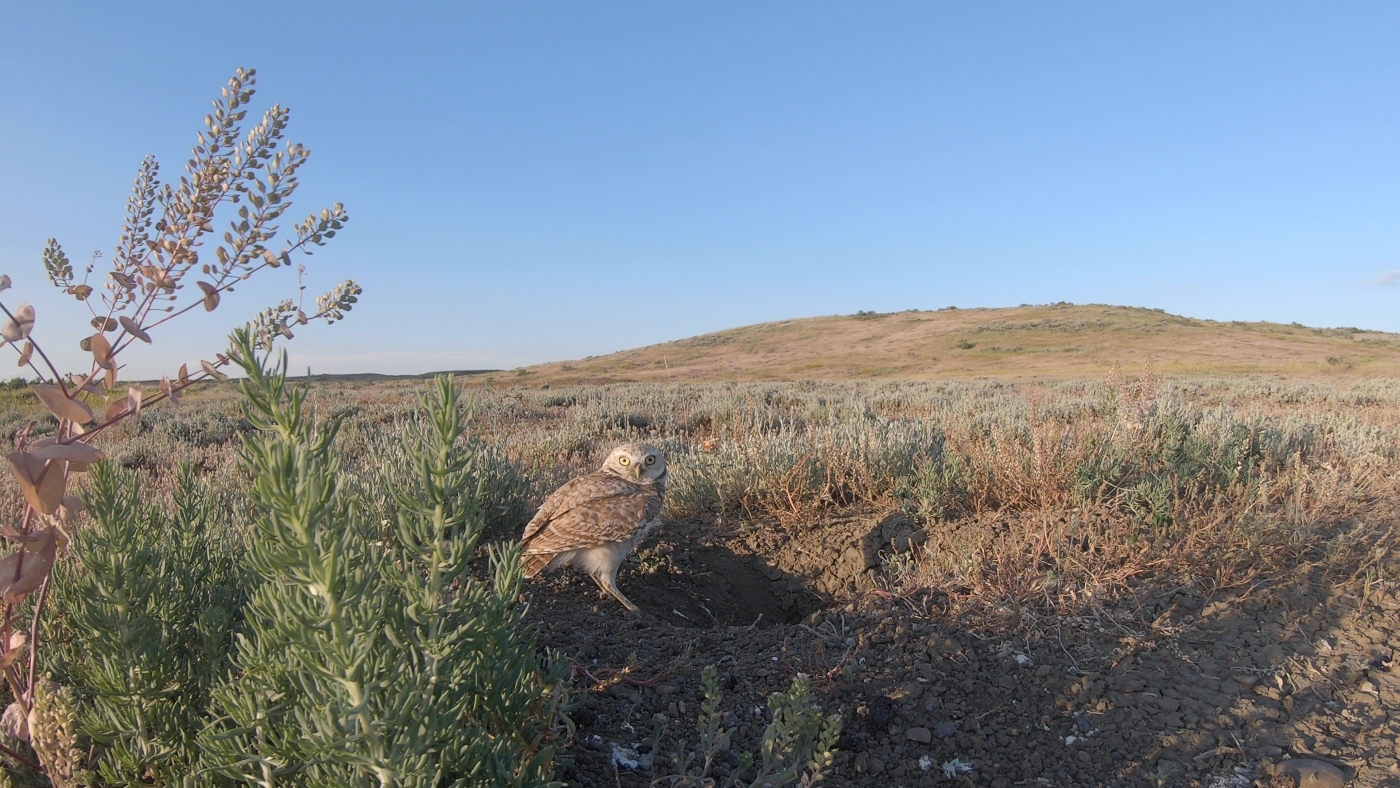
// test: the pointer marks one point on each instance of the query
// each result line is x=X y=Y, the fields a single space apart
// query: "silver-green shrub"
x=143 y=618
x=369 y=660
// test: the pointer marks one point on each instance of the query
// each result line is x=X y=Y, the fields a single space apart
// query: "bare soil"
x=1170 y=690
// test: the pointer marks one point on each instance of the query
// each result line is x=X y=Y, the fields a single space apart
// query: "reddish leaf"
x=117 y=409
x=49 y=449
x=19 y=326
x=42 y=486
x=211 y=371
x=211 y=296
x=135 y=330
x=61 y=406
x=168 y=389
x=15 y=722
x=20 y=578
x=101 y=350
x=69 y=510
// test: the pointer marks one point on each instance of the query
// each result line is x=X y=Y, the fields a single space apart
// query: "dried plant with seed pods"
x=170 y=259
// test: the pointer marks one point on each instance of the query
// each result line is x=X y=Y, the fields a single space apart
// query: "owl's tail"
x=535 y=563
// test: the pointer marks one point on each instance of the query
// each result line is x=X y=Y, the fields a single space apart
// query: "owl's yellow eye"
x=623 y=461
x=651 y=459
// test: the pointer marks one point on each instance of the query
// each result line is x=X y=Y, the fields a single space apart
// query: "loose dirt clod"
x=1309 y=773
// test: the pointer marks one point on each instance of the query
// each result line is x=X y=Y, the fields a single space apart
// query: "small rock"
x=881 y=709
x=626 y=758
x=852 y=741
x=922 y=735
x=666 y=689
x=1167 y=704
x=912 y=691
x=1042 y=671
x=946 y=729
x=1081 y=721
x=1189 y=603
x=1308 y=773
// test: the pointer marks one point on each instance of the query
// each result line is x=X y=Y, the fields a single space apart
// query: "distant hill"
x=1054 y=341
x=375 y=377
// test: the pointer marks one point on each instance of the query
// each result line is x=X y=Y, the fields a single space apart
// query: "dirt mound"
x=1179 y=691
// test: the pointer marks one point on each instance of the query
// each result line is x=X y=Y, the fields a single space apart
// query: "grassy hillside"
x=1053 y=341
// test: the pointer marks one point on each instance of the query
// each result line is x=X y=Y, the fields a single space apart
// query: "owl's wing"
x=588 y=511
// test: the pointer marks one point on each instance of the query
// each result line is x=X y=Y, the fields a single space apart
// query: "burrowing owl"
x=596 y=520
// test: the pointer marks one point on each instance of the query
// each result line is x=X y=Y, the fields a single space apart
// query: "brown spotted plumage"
x=595 y=521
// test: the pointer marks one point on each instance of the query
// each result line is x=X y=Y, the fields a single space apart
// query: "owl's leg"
x=608 y=582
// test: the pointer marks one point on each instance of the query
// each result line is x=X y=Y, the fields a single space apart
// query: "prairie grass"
x=1054 y=495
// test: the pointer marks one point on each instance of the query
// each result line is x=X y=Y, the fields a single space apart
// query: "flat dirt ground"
x=1173 y=690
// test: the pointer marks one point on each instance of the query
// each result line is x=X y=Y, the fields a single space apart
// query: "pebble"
x=881 y=709
x=922 y=735
x=946 y=729
x=1308 y=773
x=1042 y=671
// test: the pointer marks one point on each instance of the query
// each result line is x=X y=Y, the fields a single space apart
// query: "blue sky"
x=535 y=181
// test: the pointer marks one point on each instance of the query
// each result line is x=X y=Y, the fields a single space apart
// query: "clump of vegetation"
x=368 y=660
x=146 y=606
x=327 y=646
x=797 y=744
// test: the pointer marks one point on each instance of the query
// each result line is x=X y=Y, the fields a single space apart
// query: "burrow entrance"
x=708 y=573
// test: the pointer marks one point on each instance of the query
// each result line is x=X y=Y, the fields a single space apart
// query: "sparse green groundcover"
x=1171 y=463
